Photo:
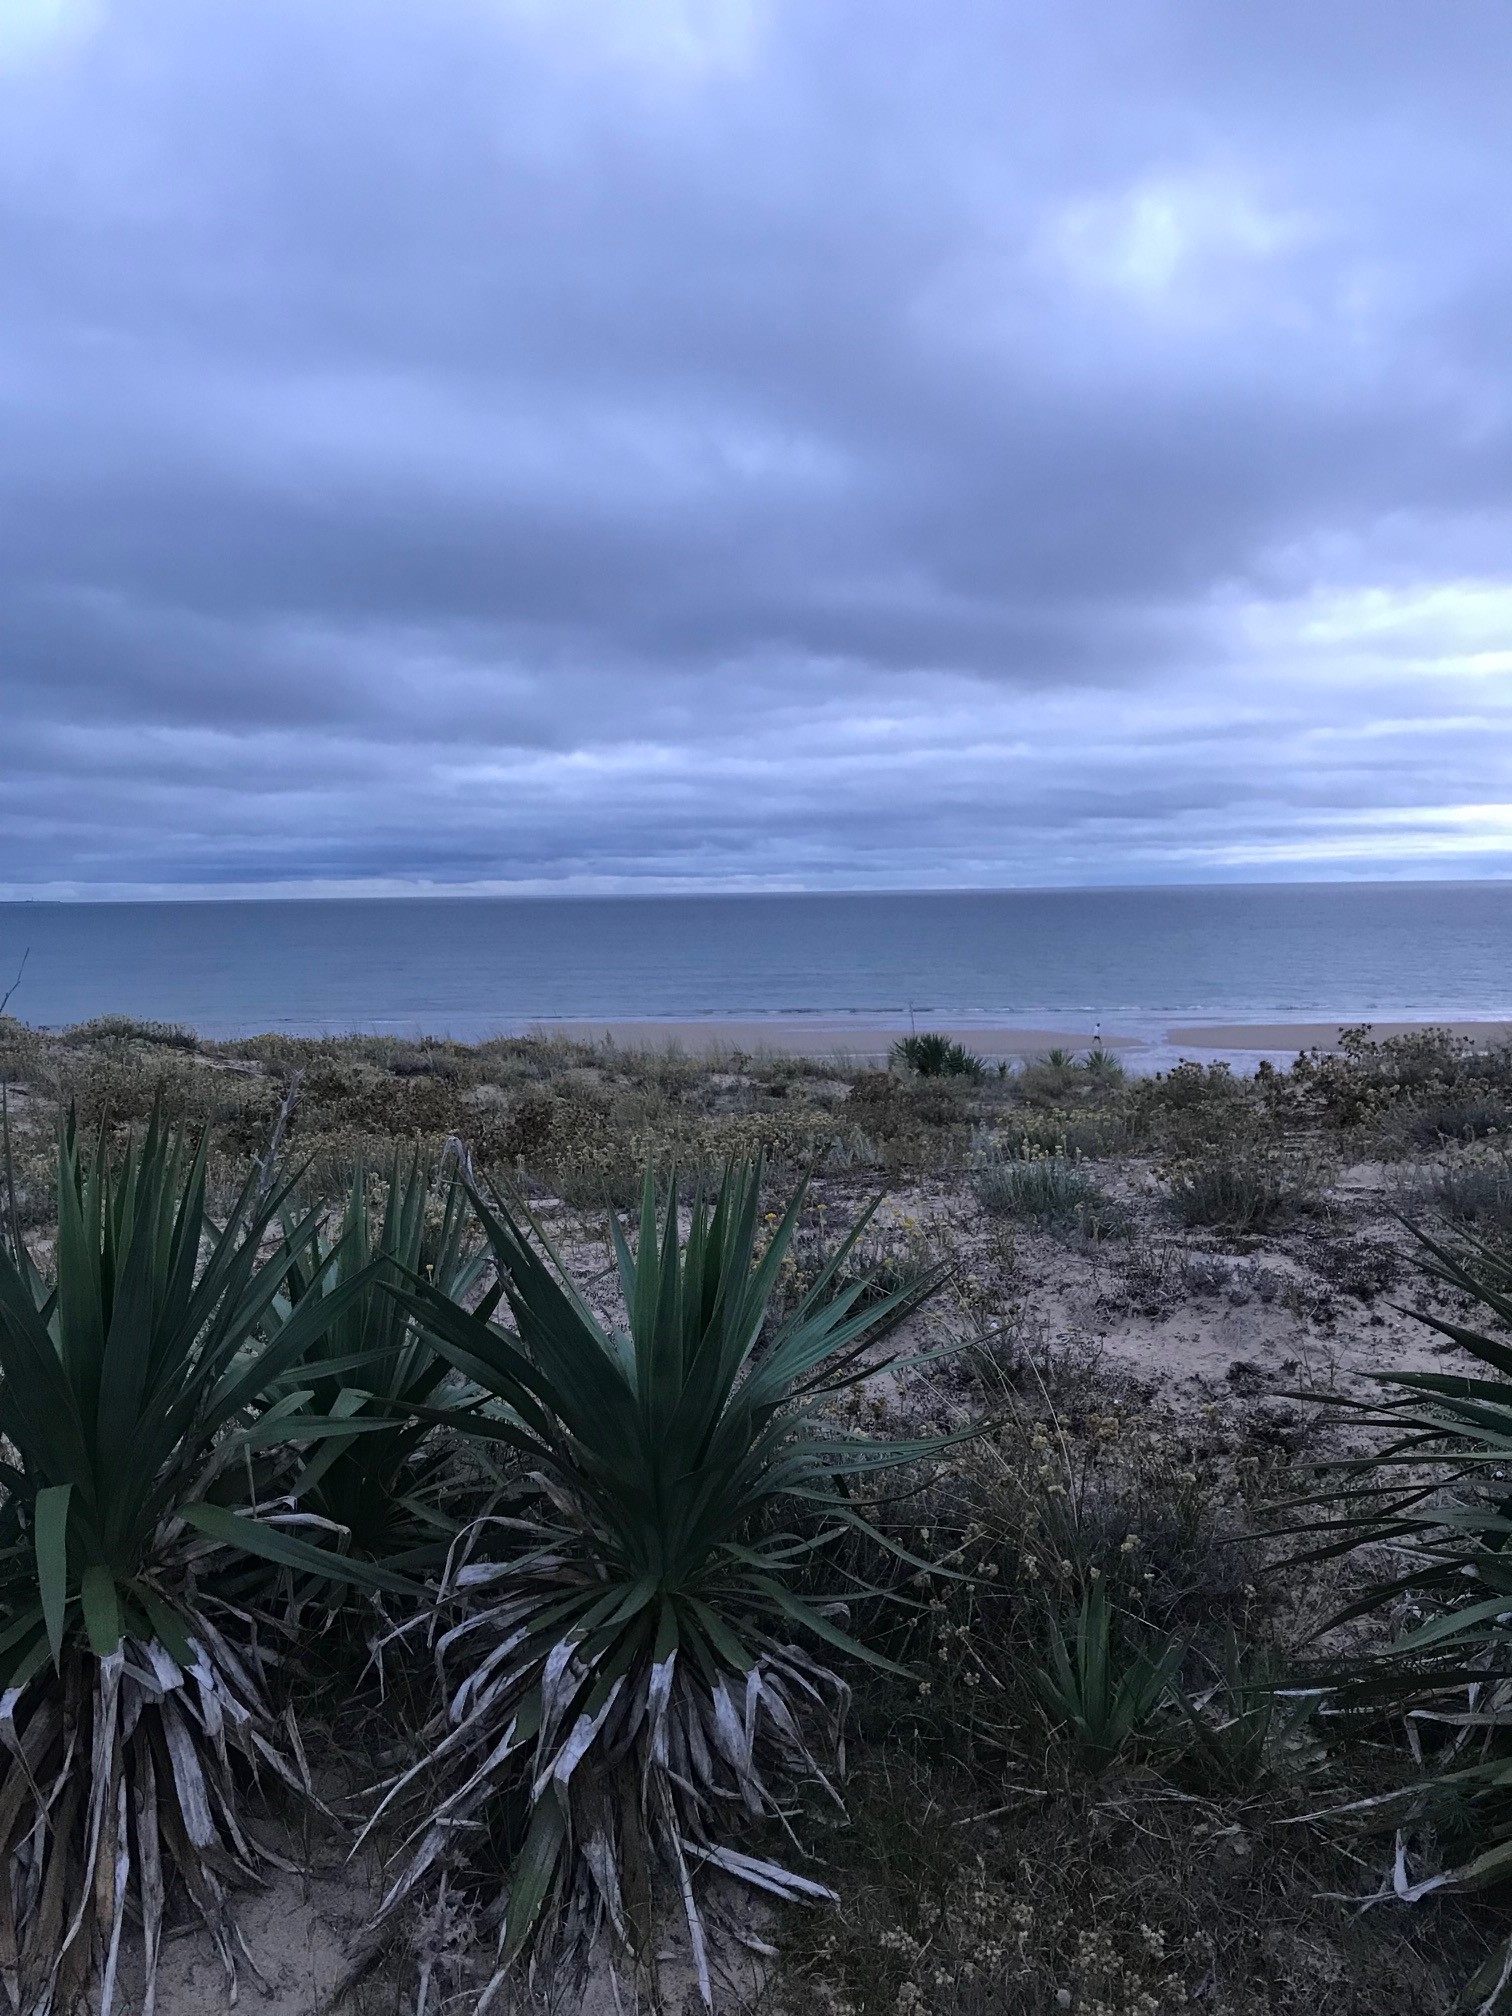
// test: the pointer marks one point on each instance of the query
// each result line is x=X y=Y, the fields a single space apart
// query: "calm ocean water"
x=470 y=967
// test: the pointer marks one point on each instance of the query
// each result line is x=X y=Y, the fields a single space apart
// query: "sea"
x=472 y=967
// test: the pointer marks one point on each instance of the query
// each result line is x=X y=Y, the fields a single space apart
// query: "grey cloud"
x=490 y=444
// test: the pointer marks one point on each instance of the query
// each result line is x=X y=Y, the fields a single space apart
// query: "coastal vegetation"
x=935 y=1056
x=547 y=1475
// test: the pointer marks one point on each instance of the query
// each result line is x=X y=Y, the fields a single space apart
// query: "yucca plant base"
x=625 y=1773
x=170 y=1750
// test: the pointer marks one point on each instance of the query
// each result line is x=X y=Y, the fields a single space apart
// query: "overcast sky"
x=650 y=443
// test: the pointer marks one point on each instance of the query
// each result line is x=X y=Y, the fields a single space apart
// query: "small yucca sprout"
x=631 y=1673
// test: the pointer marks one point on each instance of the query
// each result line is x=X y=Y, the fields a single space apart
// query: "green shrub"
x=1049 y=1189
x=131 y=1029
x=1057 y=1078
x=1472 y=1190
x=1247 y=1189
x=1414 y=1088
x=892 y=1104
x=1195 y=1108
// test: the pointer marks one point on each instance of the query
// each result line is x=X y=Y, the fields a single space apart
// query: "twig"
x=996 y=1812
x=270 y=1160
x=5 y=997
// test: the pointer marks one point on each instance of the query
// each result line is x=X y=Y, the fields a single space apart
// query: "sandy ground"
x=1193 y=1320
x=299 y=1933
x=864 y=1041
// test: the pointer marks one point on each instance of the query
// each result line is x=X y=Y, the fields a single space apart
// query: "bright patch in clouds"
x=673 y=36
x=1453 y=626
x=30 y=29
x=1170 y=233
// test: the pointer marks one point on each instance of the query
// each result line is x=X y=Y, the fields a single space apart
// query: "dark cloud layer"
x=582 y=442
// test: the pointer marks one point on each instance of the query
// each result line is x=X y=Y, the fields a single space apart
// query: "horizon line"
x=374 y=892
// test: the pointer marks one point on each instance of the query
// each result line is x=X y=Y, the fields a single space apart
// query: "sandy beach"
x=1151 y=1048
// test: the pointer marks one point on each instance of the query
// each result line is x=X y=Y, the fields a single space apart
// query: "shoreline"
x=1153 y=1047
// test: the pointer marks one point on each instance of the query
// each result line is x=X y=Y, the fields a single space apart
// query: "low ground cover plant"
x=1116 y=1828
x=131 y=1028
x=1250 y=1187
x=1471 y=1190
x=1016 y=1179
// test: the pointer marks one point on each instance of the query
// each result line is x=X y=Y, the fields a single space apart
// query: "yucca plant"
x=372 y=1361
x=1100 y=1689
x=1104 y=1064
x=1436 y=1492
x=132 y=1702
x=933 y=1055
x=633 y=1672
x=1244 y=1723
